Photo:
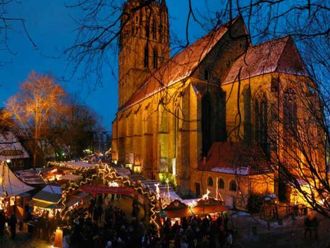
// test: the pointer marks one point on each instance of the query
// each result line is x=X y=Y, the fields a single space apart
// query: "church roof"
x=235 y=158
x=180 y=66
x=280 y=55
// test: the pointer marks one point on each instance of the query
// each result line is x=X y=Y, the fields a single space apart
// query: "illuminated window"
x=221 y=183
x=210 y=182
x=232 y=186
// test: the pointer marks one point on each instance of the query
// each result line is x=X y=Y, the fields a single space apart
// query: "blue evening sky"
x=51 y=26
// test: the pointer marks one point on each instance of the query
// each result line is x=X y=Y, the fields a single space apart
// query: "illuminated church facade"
x=204 y=118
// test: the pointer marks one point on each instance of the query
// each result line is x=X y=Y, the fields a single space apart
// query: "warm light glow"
x=113 y=184
x=174 y=166
x=206 y=196
x=192 y=204
x=8 y=160
x=157 y=191
x=129 y=166
x=58 y=240
x=137 y=169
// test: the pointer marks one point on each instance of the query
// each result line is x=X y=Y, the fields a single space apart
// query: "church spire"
x=144 y=44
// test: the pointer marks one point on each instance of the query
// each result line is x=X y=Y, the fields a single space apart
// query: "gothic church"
x=201 y=119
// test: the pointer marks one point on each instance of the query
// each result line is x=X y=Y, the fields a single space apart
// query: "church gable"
x=290 y=61
x=180 y=66
x=278 y=55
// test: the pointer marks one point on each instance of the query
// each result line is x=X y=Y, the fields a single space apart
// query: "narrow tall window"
x=160 y=32
x=146 y=57
x=147 y=30
x=221 y=183
x=247 y=115
x=290 y=113
x=155 y=58
x=154 y=29
x=232 y=186
x=264 y=126
x=261 y=124
x=206 y=123
x=210 y=182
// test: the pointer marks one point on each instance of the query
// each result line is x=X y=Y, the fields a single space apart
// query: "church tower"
x=144 y=44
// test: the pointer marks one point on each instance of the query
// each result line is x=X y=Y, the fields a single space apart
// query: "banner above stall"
x=103 y=189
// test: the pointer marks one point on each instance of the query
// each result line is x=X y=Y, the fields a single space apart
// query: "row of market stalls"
x=39 y=190
x=62 y=187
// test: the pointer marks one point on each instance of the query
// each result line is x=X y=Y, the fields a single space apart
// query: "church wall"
x=260 y=184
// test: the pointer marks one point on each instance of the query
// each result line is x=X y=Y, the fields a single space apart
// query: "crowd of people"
x=12 y=223
x=104 y=225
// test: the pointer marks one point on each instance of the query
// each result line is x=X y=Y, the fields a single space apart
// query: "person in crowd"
x=2 y=223
x=12 y=224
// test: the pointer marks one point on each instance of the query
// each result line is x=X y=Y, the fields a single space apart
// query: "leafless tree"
x=36 y=107
x=306 y=21
x=7 y=21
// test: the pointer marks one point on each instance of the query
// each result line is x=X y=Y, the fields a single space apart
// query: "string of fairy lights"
x=106 y=173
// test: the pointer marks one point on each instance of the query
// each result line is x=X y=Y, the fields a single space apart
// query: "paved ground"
x=23 y=240
x=288 y=235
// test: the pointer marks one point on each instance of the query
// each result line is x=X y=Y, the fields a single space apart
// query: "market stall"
x=184 y=208
x=47 y=199
x=11 y=189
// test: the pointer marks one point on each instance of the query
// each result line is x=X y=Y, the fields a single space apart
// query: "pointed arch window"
x=221 y=183
x=210 y=182
x=233 y=186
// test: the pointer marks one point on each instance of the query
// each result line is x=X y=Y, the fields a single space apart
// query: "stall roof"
x=30 y=176
x=50 y=194
x=9 y=183
x=70 y=177
x=41 y=204
x=79 y=164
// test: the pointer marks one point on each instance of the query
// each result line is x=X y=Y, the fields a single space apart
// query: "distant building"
x=189 y=118
x=12 y=151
